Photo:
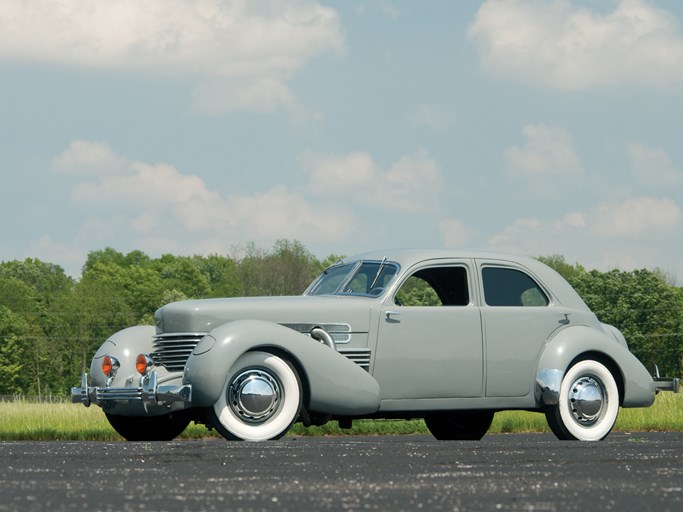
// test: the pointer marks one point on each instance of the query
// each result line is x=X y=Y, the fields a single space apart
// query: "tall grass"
x=25 y=420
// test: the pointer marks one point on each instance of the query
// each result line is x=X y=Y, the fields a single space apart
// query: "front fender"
x=125 y=346
x=569 y=344
x=336 y=385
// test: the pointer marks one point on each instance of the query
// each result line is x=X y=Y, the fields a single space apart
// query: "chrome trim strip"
x=340 y=332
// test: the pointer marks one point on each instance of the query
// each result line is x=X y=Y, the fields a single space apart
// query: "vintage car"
x=448 y=336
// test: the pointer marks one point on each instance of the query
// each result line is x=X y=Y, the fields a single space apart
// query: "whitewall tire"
x=588 y=403
x=261 y=399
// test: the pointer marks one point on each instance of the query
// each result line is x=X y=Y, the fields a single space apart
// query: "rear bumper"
x=667 y=384
x=148 y=392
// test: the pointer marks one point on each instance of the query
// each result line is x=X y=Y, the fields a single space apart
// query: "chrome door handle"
x=389 y=314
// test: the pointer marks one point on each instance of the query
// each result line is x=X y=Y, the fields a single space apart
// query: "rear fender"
x=335 y=384
x=575 y=342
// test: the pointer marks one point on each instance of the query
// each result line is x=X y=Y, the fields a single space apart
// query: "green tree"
x=33 y=291
x=559 y=264
x=285 y=270
x=15 y=361
x=221 y=273
x=140 y=287
x=647 y=310
x=181 y=274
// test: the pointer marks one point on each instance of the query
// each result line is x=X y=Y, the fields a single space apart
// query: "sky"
x=198 y=126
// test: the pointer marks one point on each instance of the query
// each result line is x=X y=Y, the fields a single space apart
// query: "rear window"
x=511 y=287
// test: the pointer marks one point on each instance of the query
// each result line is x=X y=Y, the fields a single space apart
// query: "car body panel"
x=578 y=341
x=336 y=384
x=207 y=314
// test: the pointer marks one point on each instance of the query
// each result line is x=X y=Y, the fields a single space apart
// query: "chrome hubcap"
x=587 y=401
x=254 y=396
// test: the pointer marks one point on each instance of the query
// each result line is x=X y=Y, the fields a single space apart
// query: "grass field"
x=24 y=420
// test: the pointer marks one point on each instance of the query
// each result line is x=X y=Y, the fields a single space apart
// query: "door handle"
x=390 y=313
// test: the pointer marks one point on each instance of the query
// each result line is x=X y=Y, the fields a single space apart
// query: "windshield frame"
x=354 y=269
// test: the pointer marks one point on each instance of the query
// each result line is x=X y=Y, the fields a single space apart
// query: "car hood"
x=301 y=313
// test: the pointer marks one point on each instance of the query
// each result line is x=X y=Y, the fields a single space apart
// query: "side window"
x=510 y=287
x=435 y=286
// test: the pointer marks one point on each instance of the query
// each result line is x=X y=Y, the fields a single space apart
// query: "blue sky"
x=195 y=126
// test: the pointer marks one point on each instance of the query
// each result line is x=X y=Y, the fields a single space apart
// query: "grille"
x=172 y=350
x=360 y=356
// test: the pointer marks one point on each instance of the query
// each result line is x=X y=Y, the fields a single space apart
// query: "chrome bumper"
x=667 y=384
x=148 y=392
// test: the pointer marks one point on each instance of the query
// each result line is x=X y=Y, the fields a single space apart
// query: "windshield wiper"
x=379 y=272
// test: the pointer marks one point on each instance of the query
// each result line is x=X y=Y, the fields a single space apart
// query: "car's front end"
x=143 y=372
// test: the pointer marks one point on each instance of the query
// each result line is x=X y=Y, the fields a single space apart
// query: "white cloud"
x=343 y=172
x=609 y=235
x=155 y=206
x=520 y=236
x=413 y=183
x=47 y=249
x=245 y=50
x=575 y=219
x=635 y=217
x=432 y=117
x=454 y=233
x=279 y=212
x=144 y=186
x=560 y=45
x=89 y=157
x=631 y=219
x=263 y=95
x=653 y=166
x=547 y=151
x=216 y=38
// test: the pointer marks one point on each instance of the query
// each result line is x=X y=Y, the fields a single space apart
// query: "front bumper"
x=148 y=392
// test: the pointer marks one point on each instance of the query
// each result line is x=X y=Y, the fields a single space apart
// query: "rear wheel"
x=260 y=400
x=588 y=404
x=459 y=426
x=150 y=428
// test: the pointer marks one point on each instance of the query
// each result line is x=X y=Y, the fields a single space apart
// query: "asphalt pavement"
x=627 y=472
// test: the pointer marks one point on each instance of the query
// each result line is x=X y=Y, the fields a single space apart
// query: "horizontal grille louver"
x=173 y=350
x=360 y=356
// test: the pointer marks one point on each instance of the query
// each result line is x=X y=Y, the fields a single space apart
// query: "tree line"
x=52 y=324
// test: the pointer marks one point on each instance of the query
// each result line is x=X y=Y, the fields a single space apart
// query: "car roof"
x=407 y=257
x=410 y=256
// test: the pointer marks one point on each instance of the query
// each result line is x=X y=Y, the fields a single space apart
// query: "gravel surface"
x=638 y=472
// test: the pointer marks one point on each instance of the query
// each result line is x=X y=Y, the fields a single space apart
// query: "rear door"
x=518 y=317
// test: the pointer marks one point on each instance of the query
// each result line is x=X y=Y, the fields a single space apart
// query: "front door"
x=430 y=340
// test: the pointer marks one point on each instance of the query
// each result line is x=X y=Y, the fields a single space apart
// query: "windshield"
x=368 y=278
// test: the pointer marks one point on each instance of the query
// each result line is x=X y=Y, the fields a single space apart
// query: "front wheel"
x=260 y=400
x=459 y=426
x=150 y=428
x=588 y=404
